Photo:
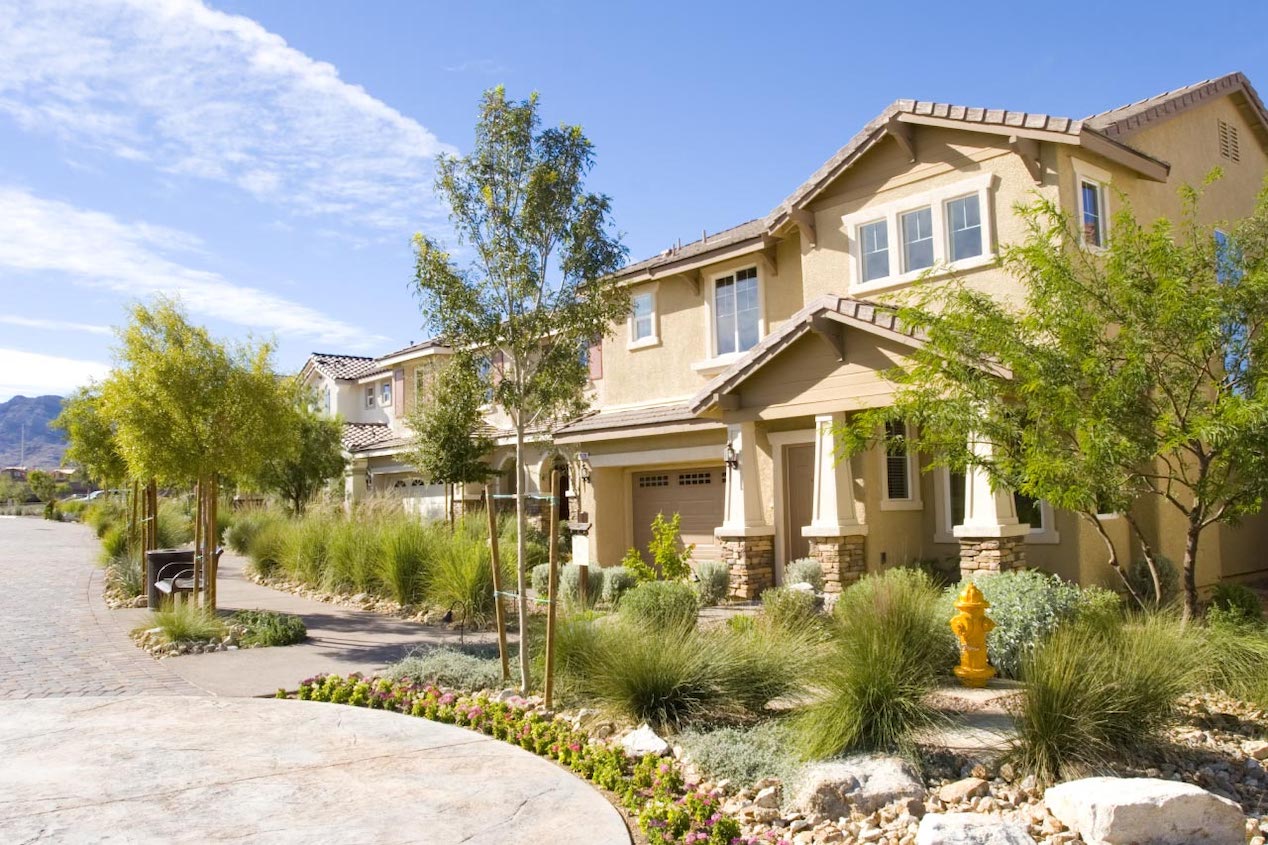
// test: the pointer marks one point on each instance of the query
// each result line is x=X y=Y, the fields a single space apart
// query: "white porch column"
x=835 y=531
x=354 y=482
x=743 y=514
x=992 y=539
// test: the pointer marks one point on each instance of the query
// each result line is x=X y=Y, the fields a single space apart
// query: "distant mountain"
x=44 y=446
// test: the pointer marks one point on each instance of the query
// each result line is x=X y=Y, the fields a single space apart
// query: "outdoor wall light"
x=583 y=461
x=732 y=459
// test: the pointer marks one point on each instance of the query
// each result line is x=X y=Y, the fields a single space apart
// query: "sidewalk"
x=340 y=640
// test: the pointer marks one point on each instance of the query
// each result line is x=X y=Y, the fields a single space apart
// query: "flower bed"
x=666 y=809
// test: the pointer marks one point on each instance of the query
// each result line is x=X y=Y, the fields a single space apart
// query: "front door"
x=799 y=487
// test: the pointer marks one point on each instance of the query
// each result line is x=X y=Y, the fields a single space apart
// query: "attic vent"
x=1229 y=148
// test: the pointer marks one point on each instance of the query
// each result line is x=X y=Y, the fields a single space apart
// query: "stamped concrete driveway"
x=56 y=636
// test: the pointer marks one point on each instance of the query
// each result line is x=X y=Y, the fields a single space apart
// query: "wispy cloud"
x=97 y=249
x=52 y=325
x=32 y=374
x=484 y=66
x=200 y=92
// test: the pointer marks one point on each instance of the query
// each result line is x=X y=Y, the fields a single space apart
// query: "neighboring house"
x=14 y=473
x=716 y=399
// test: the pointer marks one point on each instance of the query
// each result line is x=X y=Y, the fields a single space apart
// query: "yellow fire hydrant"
x=971 y=625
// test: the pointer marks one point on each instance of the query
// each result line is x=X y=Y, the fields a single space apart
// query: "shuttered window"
x=897 y=463
x=1230 y=147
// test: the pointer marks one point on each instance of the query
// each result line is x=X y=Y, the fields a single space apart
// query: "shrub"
x=660 y=605
x=888 y=647
x=633 y=562
x=1236 y=601
x=268 y=628
x=617 y=581
x=175 y=528
x=449 y=667
x=114 y=542
x=267 y=546
x=539 y=578
x=462 y=579
x=805 y=570
x=1100 y=606
x=670 y=557
x=1234 y=657
x=1027 y=606
x=713 y=582
x=790 y=609
x=1094 y=692
x=743 y=755
x=184 y=621
x=1142 y=582
x=243 y=529
x=404 y=554
x=305 y=548
x=353 y=549
x=124 y=573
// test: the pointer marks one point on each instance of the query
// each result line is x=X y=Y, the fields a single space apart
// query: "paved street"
x=57 y=637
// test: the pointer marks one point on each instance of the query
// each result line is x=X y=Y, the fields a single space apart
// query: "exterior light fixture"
x=732 y=459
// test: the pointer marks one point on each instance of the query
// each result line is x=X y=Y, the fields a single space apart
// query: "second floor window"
x=875 y=239
x=964 y=227
x=643 y=321
x=1091 y=212
x=917 y=239
x=369 y=396
x=385 y=394
x=736 y=312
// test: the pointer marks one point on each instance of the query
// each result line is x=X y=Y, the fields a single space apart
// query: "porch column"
x=354 y=485
x=747 y=542
x=835 y=531
x=992 y=539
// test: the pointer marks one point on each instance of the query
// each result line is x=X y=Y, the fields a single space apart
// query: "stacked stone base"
x=752 y=564
x=841 y=558
x=988 y=555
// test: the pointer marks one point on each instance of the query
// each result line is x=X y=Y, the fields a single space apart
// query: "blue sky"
x=268 y=161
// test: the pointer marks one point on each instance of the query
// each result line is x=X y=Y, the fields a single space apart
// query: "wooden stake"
x=198 y=537
x=552 y=521
x=213 y=504
x=498 y=609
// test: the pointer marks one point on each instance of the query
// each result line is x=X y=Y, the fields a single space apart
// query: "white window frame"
x=981 y=226
x=1087 y=172
x=933 y=237
x=714 y=362
x=1046 y=534
x=385 y=393
x=913 y=501
x=936 y=199
x=652 y=339
x=371 y=396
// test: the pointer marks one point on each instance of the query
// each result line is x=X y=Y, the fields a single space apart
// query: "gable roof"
x=342 y=367
x=1124 y=121
x=356 y=436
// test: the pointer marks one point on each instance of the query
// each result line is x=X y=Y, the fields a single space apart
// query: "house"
x=716 y=399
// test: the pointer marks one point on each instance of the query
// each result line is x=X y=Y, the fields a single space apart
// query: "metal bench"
x=177 y=576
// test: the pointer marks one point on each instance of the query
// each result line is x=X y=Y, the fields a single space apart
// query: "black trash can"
x=155 y=561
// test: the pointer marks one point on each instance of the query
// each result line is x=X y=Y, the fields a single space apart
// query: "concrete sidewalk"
x=340 y=640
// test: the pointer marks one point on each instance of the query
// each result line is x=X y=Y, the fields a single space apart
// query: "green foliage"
x=184 y=621
x=461 y=580
x=42 y=485
x=448 y=667
x=792 y=610
x=1169 y=405
x=90 y=437
x=269 y=628
x=713 y=582
x=449 y=446
x=353 y=550
x=305 y=546
x=660 y=605
x=887 y=650
x=267 y=547
x=1095 y=692
x=175 y=527
x=1141 y=581
x=634 y=564
x=244 y=527
x=114 y=541
x=1236 y=601
x=540 y=579
x=743 y=755
x=316 y=457
x=406 y=549
x=125 y=575
x=1234 y=656
x=617 y=581
x=805 y=570
x=670 y=557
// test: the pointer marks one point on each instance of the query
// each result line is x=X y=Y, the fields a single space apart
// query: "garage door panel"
x=696 y=493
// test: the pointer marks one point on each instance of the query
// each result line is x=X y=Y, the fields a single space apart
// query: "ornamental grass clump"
x=125 y=575
x=353 y=551
x=406 y=548
x=790 y=609
x=461 y=579
x=888 y=647
x=184 y=621
x=1093 y=691
x=660 y=605
x=305 y=547
x=1234 y=656
x=267 y=546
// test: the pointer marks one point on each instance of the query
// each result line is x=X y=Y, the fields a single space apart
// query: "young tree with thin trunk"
x=534 y=289
x=1131 y=373
x=90 y=438
x=317 y=456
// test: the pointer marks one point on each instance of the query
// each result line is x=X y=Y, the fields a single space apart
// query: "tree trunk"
x=1191 y=536
x=1112 y=554
x=521 y=524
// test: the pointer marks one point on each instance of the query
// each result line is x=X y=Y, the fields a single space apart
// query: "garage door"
x=696 y=493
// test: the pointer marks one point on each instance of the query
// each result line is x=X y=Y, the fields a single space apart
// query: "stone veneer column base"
x=841 y=558
x=988 y=555
x=752 y=564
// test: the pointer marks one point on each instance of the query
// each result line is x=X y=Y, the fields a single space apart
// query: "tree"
x=448 y=447
x=315 y=458
x=538 y=288
x=187 y=409
x=42 y=485
x=90 y=437
x=1133 y=372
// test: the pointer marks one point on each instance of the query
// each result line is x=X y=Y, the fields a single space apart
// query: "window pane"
x=1092 y=229
x=897 y=475
x=875 y=240
x=956 y=480
x=1028 y=511
x=747 y=311
x=964 y=223
x=642 y=316
x=917 y=239
x=724 y=314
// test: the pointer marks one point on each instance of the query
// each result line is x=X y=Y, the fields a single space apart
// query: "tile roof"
x=632 y=418
x=358 y=436
x=343 y=366
x=736 y=234
x=1125 y=120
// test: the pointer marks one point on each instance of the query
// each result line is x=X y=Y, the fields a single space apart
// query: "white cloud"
x=31 y=374
x=52 y=325
x=94 y=248
x=201 y=92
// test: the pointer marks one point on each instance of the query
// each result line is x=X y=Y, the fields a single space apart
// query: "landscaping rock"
x=644 y=741
x=1145 y=811
x=1257 y=750
x=963 y=790
x=864 y=783
x=970 y=829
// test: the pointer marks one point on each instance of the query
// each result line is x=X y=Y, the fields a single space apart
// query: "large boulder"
x=1145 y=811
x=970 y=829
x=644 y=741
x=864 y=783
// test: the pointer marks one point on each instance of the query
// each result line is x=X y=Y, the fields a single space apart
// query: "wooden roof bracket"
x=767 y=257
x=727 y=401
x=904 y=134
x=693 y=279
x=832 y=332
x=1027 y=149
x=805 y=222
